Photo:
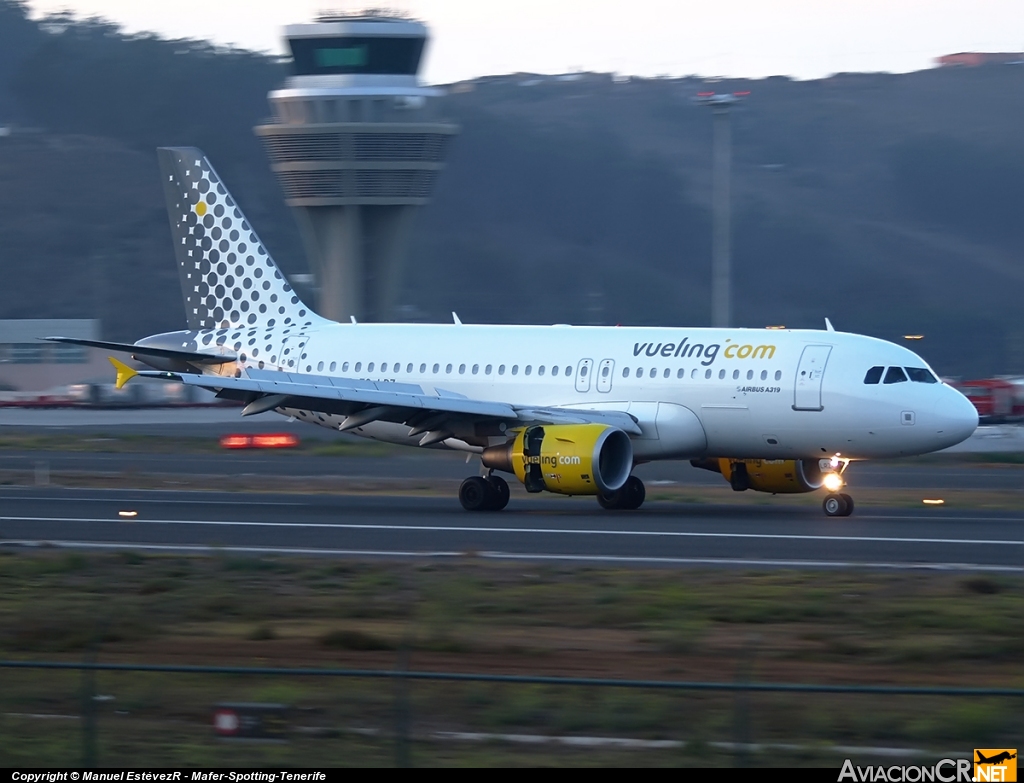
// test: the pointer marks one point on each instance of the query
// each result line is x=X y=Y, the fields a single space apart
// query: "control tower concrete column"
x=357 y=147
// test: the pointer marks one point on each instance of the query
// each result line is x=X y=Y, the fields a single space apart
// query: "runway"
x=413 y=464
x=532 y=529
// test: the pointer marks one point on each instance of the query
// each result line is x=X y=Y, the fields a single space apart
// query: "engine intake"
x=778 y=476
x=571 y=459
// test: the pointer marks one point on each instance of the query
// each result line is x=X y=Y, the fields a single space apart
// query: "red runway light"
x=236 y=442
x=279 y=440
x=274 y=440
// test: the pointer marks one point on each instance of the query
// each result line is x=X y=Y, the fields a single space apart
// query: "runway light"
x=832 y=481
x=127 y=513
x=933 y=501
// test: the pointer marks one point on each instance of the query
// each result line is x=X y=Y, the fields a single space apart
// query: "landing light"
x=933 y=501
x=913 y=337
x=832 y=481
x=127 y=513
x=775 y=327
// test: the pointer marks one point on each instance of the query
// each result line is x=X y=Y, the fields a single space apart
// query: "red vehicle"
x=997 y=399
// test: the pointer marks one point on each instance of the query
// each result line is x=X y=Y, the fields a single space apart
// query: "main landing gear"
x=838 y=505
x=628 y=498
x=484 y=494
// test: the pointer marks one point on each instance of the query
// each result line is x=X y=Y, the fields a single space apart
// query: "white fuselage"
x=745 y=393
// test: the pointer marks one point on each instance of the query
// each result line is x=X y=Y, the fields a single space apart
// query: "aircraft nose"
x=956 y=418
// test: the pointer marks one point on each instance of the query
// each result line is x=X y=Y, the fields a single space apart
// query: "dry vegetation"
x=483 y=617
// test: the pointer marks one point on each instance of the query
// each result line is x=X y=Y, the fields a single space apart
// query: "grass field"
x=473 y=616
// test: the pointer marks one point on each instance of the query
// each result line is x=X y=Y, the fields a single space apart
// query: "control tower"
x=357 y=147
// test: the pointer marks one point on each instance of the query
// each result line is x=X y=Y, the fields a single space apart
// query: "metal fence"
x=400 y=736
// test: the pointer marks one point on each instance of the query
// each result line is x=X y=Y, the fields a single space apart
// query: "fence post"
x=89 y=710
x=402 y=707
x=744 y=671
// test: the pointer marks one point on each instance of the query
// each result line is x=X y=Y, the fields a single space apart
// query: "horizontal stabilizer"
x=191 y=357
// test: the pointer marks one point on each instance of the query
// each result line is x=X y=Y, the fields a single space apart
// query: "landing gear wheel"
x=837 y=505
x=629 y=497
x=499 y=493
x=633 y=493
x=475 y=494
x=849 y=504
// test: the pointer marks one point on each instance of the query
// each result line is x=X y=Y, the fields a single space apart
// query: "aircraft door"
x=809 y=374
x=583 y=373
x=605 y=374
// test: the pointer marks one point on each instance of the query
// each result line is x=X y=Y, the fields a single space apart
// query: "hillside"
x=885 y=202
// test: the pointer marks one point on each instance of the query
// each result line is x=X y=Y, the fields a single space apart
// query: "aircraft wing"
x=427 y=410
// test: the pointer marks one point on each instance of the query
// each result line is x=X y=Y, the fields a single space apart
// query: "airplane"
x=564 y=409
x=996 y=759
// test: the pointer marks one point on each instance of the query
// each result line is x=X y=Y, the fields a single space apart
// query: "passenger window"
x=874 y=375
x=639 y=372
x=654 y=372
x=583 y=371
x=334 y=366
x=319 y=366
x=359 y=366
x=895 y=375
x=462 y=369
x=604 y=371
x=515 y=369
x=778 y=375
x=764 y=375
x=423 y=369
x=707 y=374
x=501 y=369
x=540 y=370
x=487 y=370
x=344 y=367
x=528 y=370
x=625 y=372
x=721 y=374
x=750 y=375
x=554 y=370
x=437 y=368
x=693 y=373
x=920 y=375
x=408 y=368
x=448 y=369
x=735 y=374
x=369 y=367
x=476 y=369
x=680 y=373
x=568 y=370
x=667 y=372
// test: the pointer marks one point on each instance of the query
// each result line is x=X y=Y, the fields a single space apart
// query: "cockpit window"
x=895 y=375
x=921 y=375
x=874 y=375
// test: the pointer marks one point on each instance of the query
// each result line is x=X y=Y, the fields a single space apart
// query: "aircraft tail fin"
x=228 y=278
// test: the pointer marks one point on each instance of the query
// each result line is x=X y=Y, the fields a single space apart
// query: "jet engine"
x=571 y=459
x=777 y=476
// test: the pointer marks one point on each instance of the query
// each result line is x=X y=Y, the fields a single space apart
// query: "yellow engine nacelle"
x=777 y=476
x=572 y=459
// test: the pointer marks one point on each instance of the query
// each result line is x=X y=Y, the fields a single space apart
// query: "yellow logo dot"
x=201 y=208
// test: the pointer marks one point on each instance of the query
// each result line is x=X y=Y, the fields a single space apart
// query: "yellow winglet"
x=124 y=372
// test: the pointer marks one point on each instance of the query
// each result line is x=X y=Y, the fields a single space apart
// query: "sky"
x=804 y=39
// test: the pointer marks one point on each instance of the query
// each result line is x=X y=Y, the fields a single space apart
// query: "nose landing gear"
x=837 y=505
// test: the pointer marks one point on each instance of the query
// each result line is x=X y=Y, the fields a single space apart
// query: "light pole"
x=721 y=295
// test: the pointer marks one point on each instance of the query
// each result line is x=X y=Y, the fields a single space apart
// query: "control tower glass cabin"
x=357 y=148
